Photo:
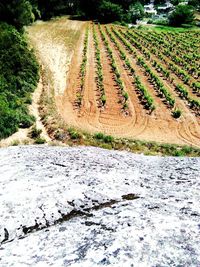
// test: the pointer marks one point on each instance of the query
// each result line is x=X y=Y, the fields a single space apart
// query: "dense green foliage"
x=136 y=11
x=183 y=14
x=18 y=78
x=23 y=12
x=16 y=12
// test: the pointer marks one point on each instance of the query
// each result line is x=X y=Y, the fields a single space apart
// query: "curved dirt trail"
x=59 y=46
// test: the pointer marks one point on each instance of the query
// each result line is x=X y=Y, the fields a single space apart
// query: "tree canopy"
x=16 y=12
x=183 y=14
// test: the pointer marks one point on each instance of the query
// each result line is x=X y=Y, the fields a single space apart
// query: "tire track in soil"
x=188 y=134
x=161 y=121
x=182 y=131
x=111 y=118
x=139 y=118
x=90 y=111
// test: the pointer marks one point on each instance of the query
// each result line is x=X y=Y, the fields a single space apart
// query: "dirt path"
x=21 y=136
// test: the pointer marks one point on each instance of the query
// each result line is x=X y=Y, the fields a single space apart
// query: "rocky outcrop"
x=92 y=207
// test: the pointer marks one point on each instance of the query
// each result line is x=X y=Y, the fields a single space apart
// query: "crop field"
x=134 y=83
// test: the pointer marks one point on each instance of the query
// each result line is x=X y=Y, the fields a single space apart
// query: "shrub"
x=35 y=133
x=177 y=113
x=99 y=136
x=40 y=141
x=74 y=134
x=18 y=79
x=108 y=139
x=110 y=12
x=103 y=99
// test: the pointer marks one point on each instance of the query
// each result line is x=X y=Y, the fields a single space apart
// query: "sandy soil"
x=59 y=45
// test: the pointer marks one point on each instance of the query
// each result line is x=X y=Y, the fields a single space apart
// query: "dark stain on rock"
x=87 y=212
x=6 y=236
x=130 y=197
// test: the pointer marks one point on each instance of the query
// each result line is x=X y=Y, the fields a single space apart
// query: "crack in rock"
x=66 y=217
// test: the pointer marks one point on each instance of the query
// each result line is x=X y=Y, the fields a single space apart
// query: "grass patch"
x=174 y=29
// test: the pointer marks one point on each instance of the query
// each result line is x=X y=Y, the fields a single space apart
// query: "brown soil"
x=61 y=55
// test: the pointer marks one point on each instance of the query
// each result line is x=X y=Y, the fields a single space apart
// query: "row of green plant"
x=193 y=103
x=149 y=102
x=140 y=43
x=144 y=94
x=182 y=68
x=154 y=78
x=187 y=49
x=79 y=95
x=100 y=80
x=192 y=67
x=173 y=67
x=157 y=83
x=183 y=92
x=196 y=87
x=160 y=68
x=115 y=70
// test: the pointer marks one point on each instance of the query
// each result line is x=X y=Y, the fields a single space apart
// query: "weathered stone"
x=92 y=207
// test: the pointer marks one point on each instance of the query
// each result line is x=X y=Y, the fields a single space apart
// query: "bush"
x=104 y=138
x=110 y=12
x=136 y=12
x=103 y=99
x=74 y=134
x=108 y=139
x=177 y=113
x=99 y=136
x=35 y=133
x=40 y=141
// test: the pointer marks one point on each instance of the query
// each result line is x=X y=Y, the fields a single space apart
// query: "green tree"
x=110 y=12
x=136 y=12
x=183 y=14
x=16 y=12
x=194 y=3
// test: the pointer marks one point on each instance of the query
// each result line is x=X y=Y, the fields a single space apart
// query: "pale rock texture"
x=92 y=207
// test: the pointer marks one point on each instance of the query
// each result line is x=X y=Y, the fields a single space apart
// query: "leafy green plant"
x=99 y=136
x=40 y=141
x=108 y=139
x=19 y=74
x=34 y=132
x=103 y=99
x=74 y=134
x=177 y=113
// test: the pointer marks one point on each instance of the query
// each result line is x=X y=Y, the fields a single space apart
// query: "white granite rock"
x=93 y=207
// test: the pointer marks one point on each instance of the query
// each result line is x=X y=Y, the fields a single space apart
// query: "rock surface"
x=93 y=207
